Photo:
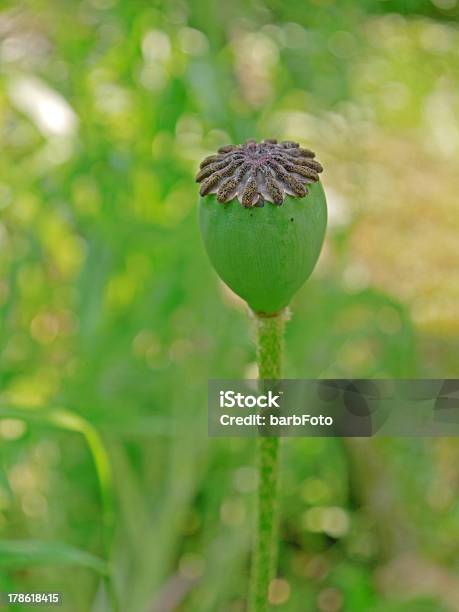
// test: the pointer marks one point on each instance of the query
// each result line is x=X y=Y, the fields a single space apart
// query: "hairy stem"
x=270 y=332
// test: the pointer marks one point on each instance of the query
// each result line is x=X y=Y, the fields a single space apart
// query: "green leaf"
x=25 y=553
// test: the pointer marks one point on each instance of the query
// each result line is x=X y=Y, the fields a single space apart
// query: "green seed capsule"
x=265 y=254
x=262 y=241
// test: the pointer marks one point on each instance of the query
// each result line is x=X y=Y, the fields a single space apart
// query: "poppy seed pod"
x=262 y=215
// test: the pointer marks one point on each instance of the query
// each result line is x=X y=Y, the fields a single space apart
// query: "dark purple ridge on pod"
x=254 y=172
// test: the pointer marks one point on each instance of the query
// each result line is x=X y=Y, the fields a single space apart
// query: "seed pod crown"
x=257 y=172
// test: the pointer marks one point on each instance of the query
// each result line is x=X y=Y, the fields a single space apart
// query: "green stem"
x=270 y=331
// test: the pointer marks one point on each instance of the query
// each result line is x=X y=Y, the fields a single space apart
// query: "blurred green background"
x=112 y=320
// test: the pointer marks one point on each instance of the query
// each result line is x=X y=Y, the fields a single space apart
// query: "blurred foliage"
x=112 y=320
